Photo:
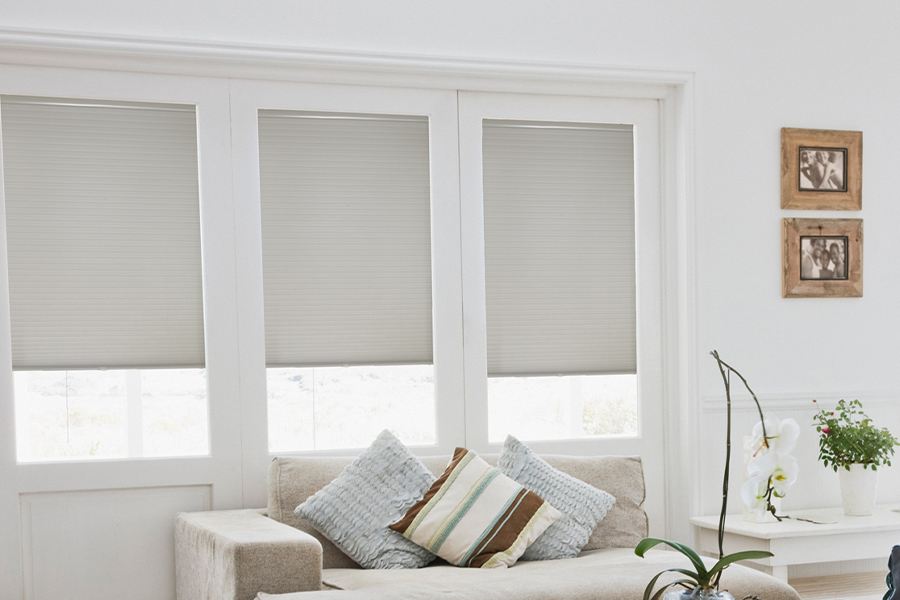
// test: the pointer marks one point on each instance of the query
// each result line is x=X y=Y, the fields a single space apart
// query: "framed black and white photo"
x=822 y=258
x=821 y=169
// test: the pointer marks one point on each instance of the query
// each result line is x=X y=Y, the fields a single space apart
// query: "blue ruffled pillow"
x=373 y=491
x=582 y=506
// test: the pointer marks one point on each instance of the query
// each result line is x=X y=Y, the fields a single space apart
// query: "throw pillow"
x=376 y=489
x=582 y=506
x=475 y=516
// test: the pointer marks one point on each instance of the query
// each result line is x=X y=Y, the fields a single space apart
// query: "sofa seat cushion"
x=607 y=574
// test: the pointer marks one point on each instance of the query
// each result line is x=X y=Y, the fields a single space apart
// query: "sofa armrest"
x=234 y=554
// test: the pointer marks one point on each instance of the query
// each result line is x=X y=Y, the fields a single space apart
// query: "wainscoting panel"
x=105 y=544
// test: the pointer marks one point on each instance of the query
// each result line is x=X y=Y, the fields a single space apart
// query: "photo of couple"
x=822 y=169
x=823 y=257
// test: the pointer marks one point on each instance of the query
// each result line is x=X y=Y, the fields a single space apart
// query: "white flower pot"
x=858 y=487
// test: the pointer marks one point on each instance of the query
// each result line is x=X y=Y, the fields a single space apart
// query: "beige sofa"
x=274 y=555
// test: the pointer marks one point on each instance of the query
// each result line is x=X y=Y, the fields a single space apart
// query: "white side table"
x=800 y=543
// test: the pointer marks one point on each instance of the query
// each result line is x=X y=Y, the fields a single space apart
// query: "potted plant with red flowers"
x=854 y=448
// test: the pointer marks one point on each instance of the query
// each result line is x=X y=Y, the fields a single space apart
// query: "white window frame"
x=644 y=116
x=247 y=98
x=215 y=471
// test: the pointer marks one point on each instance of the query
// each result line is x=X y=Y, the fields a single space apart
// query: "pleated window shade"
x=559 y=229
x=346 y=239
x=103 y=230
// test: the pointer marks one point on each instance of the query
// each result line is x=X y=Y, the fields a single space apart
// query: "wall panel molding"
x=792 y=401
x=72 y=541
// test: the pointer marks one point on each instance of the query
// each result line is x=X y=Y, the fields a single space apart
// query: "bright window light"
x=78 y=415
x=328 y=408
x=565 y=407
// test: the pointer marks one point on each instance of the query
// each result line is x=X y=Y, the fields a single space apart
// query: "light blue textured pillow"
x=373 y=491
x=582 y=506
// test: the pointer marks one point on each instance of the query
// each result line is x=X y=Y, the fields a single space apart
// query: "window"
x=346 y=245
x=106 y=307
x=559 y=235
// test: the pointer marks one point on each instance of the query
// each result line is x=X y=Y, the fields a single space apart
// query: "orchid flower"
x=785 y=475
x=782 y=436
x=755 y=493
x=775 y=469
x=772 y=469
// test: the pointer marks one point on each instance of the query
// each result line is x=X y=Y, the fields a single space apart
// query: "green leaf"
x=731 y=558
x=647 y=543
x=649 y=588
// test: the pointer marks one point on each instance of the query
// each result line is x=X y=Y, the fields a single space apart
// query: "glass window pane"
x=327 y=408
x=78 y=415
x=174 y=412
x=567 y=407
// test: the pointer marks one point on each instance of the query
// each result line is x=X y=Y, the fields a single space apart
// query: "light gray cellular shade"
x=559 y=235
x=346 y=238
x=103 y=230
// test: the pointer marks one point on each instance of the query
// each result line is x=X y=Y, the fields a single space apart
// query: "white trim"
x=680 y=291
x=12 y=576
x=793 y=401
x=291 y=63
x=217 y=233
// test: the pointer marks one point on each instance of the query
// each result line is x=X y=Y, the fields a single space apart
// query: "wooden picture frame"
x=821 y=169
x=822 y=258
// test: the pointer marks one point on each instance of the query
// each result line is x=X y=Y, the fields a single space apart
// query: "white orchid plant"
x=772 y=469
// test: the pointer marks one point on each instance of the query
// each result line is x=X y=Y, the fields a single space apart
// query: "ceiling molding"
x=221 y=59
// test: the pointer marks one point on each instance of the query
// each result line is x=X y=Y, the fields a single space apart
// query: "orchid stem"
x=762 y=419
x=726 y=378
x=726 y=370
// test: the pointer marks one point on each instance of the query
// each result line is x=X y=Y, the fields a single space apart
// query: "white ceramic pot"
x=858 y=487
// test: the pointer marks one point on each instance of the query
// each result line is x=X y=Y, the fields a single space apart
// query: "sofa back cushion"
x=293 y=480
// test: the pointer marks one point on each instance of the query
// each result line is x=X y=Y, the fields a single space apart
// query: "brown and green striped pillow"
x=475 y=516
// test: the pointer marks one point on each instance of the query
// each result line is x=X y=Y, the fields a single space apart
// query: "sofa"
x=272 y=554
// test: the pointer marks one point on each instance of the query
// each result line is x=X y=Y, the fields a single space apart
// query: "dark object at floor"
x=893 y=574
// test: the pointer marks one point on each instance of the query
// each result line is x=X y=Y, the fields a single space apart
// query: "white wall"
x=758 y=67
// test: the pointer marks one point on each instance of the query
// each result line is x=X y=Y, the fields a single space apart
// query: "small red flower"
x=825 y=430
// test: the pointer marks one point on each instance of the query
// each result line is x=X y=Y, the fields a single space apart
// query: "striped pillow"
x=475 y=516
